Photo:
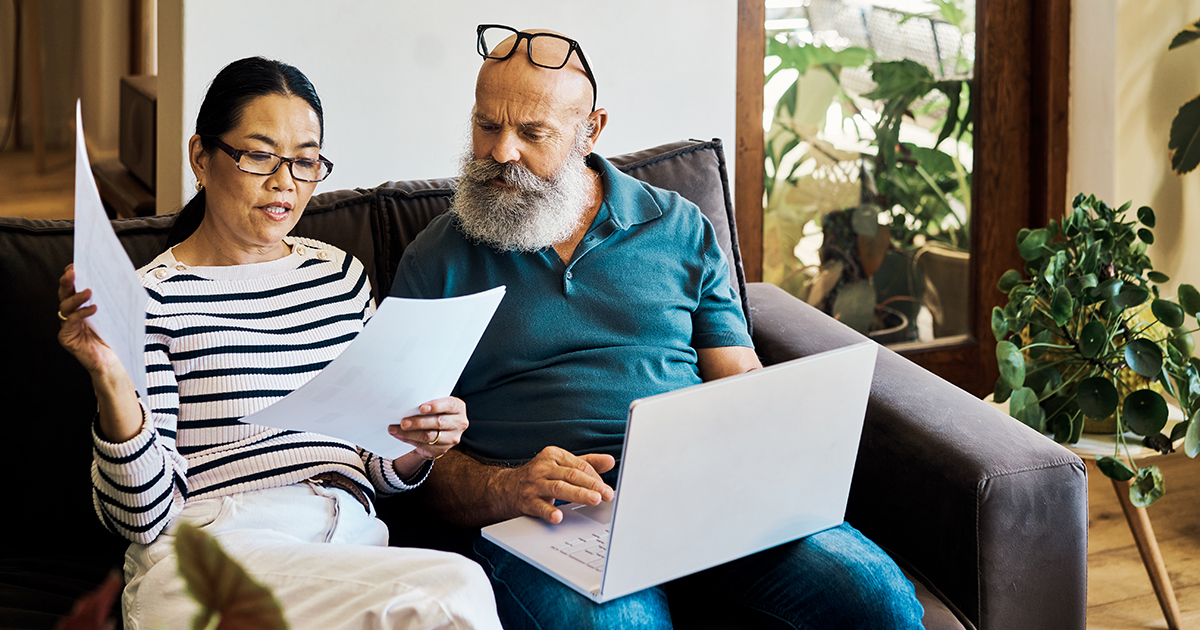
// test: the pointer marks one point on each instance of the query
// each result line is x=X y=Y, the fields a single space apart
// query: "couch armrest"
x=990 y=511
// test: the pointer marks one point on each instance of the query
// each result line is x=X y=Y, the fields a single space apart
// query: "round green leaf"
x=1167 y=312
x=1148 y=487
x=1001 y=392
x=1130 y=296
x=1158 y=277
x=1109 y=288
x=1146 y=236
x=1097 y=397
x=1189 y=299
x=1031 y=246
x=1011 y=363
x=1146 y=216
x=1144 y=357
x=999 y=323
x=1182 y=341
x=1061 y=426
x=1024 y=406
x=1145 y=412
x=1062 y=306
x=1010 y=279
x=1114 y=468
x=1092 y=338
x=1045 y=336
x=1191 y=439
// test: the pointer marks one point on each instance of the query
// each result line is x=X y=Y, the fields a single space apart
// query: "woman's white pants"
x=326 y=560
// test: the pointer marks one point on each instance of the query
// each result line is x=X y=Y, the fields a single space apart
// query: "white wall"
x=397 y=78
x=1123 y=100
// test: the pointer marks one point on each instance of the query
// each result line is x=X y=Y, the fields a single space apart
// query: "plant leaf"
x=1130 y=296
x=1184 y=143
x=1189 y=299
x=1023 y=405
x=1148 y=487
x=1012 y=278
x=1031 y=246
x=999 y=323
x=220 y=584
x=1011 y=363
x=1063 y=429
x=1181 y=339
x=1062 y=306
x=1191 y=439
x=1109 y=288
x=1001 y=391
x=1145 y=412
x=1146 y=236
x=1114 y=468
x=1167 y=312
x=1097 y=397
x=1158 y=277
x=1190 y=33
x=1144 y=357
x=1092 y=338
x=1145 y=214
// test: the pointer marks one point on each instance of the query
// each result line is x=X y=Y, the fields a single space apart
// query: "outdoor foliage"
x=1086 y=337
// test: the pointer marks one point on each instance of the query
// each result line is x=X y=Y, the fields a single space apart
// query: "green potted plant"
x=1086 y=338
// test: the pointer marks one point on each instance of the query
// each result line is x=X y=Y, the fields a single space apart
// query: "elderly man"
x=616 y=291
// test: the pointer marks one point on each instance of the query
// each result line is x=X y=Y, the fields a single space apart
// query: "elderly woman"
x=239 y=315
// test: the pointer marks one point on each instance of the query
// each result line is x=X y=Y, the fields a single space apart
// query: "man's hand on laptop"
x=555 y=474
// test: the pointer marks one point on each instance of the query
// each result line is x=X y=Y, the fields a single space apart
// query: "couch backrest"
x=47 y=398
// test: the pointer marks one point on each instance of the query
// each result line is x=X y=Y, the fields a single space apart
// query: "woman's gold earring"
x=199 y=186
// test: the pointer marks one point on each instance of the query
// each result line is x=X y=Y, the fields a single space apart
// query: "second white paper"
x=411 y=352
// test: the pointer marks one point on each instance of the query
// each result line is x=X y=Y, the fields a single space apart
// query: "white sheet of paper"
x=102 y=265
x=411 y=352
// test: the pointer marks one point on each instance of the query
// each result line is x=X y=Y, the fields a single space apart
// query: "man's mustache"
x=484 y=170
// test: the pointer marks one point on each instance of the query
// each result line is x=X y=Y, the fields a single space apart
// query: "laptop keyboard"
x=590 y=551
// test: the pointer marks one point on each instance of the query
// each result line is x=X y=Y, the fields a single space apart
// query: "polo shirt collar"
x=628 y=201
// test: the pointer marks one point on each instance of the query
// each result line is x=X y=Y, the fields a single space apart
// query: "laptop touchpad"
x=600 y=513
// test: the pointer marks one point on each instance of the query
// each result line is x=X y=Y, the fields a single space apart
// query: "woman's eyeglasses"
x=546 y=50
x=263 y=163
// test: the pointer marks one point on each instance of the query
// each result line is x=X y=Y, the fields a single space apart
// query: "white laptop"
x=712 y=473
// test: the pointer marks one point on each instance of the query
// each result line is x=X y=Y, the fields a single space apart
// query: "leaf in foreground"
x=222 y=586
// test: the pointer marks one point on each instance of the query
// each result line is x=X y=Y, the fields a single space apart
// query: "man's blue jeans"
x=833 y=579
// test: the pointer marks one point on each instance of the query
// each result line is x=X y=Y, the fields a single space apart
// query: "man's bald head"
x=567 y=89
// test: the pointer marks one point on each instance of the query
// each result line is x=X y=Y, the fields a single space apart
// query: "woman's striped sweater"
x=222 y=343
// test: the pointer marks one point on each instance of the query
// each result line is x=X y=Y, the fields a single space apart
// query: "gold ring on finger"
x=436 y=438
x=61 y=316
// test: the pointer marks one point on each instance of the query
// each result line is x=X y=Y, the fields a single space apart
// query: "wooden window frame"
x=1021 y=103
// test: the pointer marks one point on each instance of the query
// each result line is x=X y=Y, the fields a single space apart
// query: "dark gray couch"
x=988 y=517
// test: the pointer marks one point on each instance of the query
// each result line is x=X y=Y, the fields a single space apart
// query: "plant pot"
x=894 y=326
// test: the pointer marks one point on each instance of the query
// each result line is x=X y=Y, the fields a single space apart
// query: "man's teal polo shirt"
x=572 y=345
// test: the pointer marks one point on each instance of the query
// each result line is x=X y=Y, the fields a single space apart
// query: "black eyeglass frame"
x=574 y=48
x=237 y=154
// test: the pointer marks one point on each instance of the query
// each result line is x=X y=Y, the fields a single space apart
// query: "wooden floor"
x=1119 y=593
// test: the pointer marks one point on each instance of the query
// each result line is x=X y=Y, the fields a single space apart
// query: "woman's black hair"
x=230 y=91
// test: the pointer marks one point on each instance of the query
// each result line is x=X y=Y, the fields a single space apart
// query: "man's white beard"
x=534 y=214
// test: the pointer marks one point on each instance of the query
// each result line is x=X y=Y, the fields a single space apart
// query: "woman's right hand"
x=120 y=415
x=76 y=335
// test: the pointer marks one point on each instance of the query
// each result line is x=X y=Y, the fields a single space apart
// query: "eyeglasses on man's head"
x=545 y=50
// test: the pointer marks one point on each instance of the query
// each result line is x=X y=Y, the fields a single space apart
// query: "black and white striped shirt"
x=222 y=343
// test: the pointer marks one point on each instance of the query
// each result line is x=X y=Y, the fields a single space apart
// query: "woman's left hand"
x=434 y=431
